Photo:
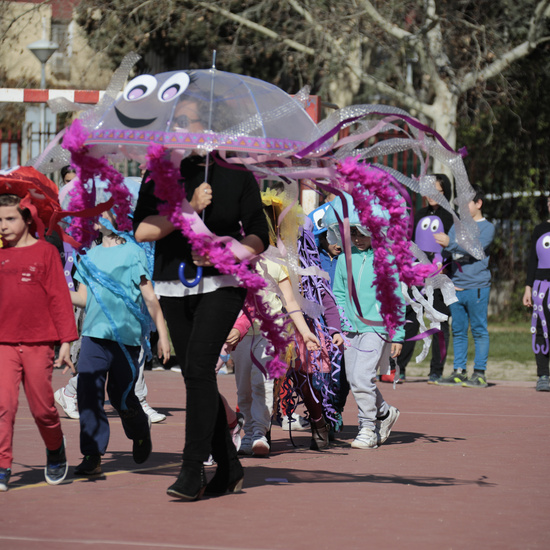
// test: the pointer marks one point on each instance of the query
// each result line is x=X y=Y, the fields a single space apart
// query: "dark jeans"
x=99 y=358
x=198 y=327
x=412 y=327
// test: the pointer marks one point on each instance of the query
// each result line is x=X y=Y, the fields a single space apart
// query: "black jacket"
x=236 y=200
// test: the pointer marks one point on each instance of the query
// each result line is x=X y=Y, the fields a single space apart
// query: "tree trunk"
x=443 y=114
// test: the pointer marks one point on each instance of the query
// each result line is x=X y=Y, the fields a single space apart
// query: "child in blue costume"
x=368 y=349
x=115 y=283
x=328 y=253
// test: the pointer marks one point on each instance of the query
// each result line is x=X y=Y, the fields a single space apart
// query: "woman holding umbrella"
x=200 y=318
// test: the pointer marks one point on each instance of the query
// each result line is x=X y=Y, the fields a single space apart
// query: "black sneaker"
x=57 y=466
x=90 y=466
x=543 y=383
x=456 y=379
x=5 y=474
x=477 y=380
x=142 y=449
x=434 y=378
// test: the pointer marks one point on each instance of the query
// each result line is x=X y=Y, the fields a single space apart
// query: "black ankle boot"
x=319 y=437
x=229 y=473
x=227 y=479
x=191 y=482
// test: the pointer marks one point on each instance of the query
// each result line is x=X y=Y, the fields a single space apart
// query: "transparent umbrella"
x=202 y=110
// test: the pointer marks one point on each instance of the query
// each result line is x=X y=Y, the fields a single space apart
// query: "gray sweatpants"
x=254 y=390
x=366 y=354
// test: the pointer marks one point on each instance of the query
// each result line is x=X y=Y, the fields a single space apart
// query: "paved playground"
x=463 y=468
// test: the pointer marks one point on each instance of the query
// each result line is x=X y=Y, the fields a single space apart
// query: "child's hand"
x=395 y=349
x=442 y=239
x=311 y=341
x=338 y=339
x=163 y=347
x=527 y=297
x=233 y=338
x=64 y=358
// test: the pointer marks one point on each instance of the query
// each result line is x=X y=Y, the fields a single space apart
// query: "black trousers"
x=198 y=328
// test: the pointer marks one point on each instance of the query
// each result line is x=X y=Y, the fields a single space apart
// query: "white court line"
x=118 y=543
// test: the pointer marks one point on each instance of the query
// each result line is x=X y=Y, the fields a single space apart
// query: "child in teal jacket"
x=369 y=348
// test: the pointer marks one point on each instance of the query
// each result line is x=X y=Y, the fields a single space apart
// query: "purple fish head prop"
x=543 y=251
x=424 y=237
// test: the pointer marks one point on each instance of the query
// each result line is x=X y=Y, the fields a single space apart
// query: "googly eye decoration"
x=140 y=87
x=173 y=87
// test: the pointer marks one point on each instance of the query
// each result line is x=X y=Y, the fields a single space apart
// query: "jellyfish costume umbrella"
x=253 y=125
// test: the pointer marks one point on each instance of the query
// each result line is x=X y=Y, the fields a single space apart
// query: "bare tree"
x=424 y=55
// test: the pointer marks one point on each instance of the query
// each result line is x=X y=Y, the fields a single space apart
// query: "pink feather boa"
x=169 y=190
x=368 y=184
x=87 y=169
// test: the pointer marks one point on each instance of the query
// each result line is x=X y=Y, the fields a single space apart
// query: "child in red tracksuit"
x=35 y=314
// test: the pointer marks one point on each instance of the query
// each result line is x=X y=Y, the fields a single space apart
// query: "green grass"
x=510 y=355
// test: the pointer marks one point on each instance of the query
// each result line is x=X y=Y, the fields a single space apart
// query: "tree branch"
x=405 y=99
x=317 y=26
x=384 y=24
x=258 y=28
x=504 y=61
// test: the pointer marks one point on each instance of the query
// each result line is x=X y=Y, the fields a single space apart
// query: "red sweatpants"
x=31 y=364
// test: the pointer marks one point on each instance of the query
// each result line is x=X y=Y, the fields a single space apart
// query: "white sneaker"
x=260 y=446
x=67 y=403
x=210 y=461
x=175 y=368
x=366 y=439
x=154 y=416
x=297 y=423
x=385 y=426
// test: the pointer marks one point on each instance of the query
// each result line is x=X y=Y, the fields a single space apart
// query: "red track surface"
x=463 y=468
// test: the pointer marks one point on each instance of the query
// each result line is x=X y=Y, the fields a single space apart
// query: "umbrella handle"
x=195 y=281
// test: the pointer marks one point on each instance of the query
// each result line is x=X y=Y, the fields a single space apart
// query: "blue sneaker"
x=5 y=474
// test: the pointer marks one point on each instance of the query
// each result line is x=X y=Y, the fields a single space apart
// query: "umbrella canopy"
x=203 y=110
